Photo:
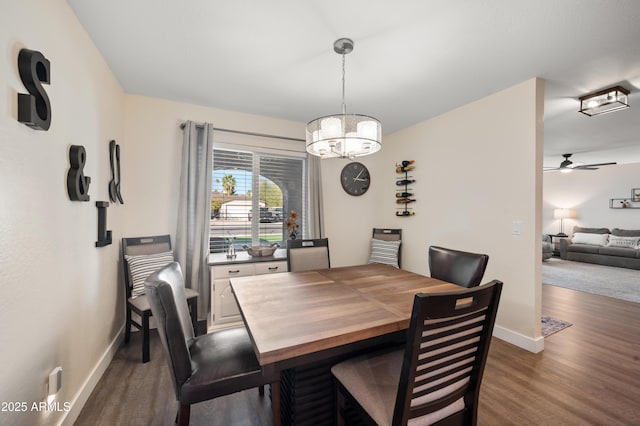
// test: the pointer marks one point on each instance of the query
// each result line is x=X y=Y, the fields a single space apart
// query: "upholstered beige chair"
x=306 y=255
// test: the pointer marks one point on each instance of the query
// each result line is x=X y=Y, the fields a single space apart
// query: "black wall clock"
x=355 y=178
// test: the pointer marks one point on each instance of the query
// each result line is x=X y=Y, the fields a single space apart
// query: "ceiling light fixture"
x=604 y=101
x=343 y=135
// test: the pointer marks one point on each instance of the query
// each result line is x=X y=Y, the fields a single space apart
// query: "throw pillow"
x=141 y=266
x=385 y=252
x=592 y=239
x=625 y=242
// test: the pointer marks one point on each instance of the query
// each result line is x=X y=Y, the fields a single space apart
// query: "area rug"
x=619 y=283
x=552 y=325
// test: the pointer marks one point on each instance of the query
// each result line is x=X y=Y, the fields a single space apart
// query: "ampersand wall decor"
x=34 y=109
x=77 y=182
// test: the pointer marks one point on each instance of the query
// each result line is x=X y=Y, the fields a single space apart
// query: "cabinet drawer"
x=230 y=271
x=270 y=267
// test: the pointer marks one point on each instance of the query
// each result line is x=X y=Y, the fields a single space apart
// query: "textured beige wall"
x=59 y=297
x=152 y=169
x=477 y=171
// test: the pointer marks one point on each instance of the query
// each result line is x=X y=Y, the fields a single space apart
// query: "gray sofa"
x=624 y=257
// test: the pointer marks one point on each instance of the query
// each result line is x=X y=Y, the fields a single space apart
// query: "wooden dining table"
x=301 y=323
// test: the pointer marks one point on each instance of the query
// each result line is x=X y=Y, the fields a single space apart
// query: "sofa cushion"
x=625 y=232
x=591 y=230
x=620 y=252
x=584 y=248
x=593 y=239
x=625 y=242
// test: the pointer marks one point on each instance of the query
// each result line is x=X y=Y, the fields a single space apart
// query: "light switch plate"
x=516 y=227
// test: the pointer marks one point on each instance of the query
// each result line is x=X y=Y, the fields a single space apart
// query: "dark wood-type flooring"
x=588 y=374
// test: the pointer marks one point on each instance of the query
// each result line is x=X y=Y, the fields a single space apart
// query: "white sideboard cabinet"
x=224 y=309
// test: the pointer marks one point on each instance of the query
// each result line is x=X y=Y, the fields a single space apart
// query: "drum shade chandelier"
x=343 y=135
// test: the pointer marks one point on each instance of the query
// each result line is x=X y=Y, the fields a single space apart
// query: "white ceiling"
x=413 y=59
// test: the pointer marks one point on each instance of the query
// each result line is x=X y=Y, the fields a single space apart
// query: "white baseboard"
x=520 y=340
x=77 y=404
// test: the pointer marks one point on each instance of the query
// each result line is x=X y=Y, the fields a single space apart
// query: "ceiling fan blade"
x=597 y=165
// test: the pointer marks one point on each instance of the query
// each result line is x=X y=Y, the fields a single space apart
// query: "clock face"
x=355 y=178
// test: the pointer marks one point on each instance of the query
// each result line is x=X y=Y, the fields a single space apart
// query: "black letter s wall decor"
x=34 y=109
x=77 y=182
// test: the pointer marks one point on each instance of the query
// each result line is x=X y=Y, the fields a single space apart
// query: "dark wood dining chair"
x=387 y=246
x=207 y=366
x=306 y=255
x=141 y=256
x=435 y=377
x=459 y=267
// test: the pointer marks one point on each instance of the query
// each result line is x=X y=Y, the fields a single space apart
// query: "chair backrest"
x=165 y=292
x=306 y=255
x=135 y=246
x=387 y=234
x=458 y=267
x=446 y=351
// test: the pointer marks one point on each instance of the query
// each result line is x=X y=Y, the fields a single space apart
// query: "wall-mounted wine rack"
x=404 y=190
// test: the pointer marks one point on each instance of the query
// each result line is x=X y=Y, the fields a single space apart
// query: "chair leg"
x=127 y=325
x=145 y=337
x=340 y=403
x=275 y=403
x=184 y=412
x=261 y=390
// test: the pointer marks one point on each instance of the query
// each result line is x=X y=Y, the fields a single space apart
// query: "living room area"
x=603 y=257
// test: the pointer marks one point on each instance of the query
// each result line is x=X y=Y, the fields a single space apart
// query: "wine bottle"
x=405 y=163
x=403 y=194
x=404 y=200
x=405 y=213
x=403 y=169
x=405 y=182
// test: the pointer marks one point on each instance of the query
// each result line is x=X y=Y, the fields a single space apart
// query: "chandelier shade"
x=343 y=135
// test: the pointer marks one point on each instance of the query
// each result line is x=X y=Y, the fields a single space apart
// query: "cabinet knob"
x=234 y=272
x=273 y=268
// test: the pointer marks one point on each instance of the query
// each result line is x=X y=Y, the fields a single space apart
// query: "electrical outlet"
x=55 y=381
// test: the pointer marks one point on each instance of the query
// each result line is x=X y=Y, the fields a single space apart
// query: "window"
x=252 y=194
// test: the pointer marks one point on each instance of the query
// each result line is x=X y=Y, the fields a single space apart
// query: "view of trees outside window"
x=252 y=194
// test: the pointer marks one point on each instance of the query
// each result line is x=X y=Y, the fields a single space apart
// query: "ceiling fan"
x=567 y=165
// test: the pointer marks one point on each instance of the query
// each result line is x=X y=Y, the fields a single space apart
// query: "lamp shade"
x=562 y=213
x=343 y=135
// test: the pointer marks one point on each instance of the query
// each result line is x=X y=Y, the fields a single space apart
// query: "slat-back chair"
x=435 y=378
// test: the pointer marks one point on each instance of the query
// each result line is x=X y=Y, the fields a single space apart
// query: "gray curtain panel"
x=316 y=216
x=194 y=211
